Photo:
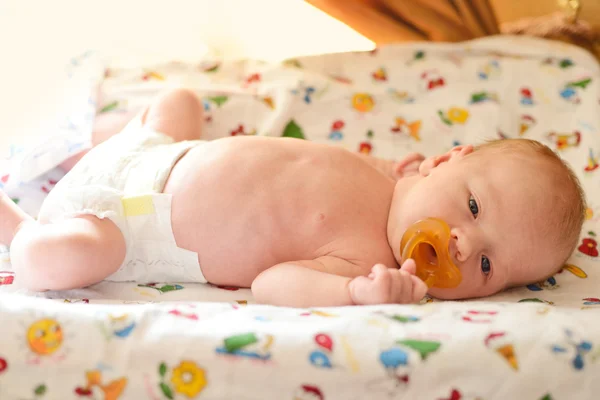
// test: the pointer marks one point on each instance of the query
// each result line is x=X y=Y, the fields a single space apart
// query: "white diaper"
x=122 y=180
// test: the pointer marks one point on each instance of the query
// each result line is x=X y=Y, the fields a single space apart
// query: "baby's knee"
x=183 y=96
x=178 y=113
x=178 y=101
x=29 y=259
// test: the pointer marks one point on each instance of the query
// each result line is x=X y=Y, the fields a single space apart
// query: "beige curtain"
x=388 y=21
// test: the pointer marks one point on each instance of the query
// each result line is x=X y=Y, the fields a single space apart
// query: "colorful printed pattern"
x=304 y=353
x=387 y=102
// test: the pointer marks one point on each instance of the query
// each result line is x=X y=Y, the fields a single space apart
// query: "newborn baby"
x=302 y=224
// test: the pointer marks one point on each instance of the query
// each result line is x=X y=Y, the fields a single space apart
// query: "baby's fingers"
x=419 y=289
x=409 y=266
x=378 y=272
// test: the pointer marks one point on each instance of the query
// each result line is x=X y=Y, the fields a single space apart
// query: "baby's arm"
x=407 y=166
x=316 y=283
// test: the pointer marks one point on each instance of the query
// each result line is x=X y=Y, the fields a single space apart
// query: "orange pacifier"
x=426 y=241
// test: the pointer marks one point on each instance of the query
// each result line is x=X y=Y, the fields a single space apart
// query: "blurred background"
x=39 y=37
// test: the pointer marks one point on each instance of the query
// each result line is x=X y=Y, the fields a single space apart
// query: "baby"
x=302 y=224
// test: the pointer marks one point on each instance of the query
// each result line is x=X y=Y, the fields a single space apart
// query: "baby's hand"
x=388 y=285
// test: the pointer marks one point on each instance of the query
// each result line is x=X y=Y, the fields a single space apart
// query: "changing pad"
x=539 y=342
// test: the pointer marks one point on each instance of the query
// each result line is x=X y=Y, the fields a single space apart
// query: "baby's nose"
x=459 y=246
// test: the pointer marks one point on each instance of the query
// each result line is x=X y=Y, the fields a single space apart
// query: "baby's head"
x=514 y=208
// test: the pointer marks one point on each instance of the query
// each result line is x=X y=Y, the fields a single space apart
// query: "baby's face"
x=499 y=215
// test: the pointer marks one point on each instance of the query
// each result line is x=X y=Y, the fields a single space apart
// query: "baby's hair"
x=572 y=202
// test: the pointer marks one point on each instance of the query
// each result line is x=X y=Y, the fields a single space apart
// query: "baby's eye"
x=473 y=206
x=485 y=265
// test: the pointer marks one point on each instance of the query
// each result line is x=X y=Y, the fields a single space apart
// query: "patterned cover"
x=396 y=99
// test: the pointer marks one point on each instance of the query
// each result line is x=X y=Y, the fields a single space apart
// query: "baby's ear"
x=454 y=154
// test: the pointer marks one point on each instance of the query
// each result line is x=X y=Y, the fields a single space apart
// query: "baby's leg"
x=178 y=113
x=70 y=254
x=105 y=126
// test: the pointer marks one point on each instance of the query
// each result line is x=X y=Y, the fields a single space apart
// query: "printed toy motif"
x=589 y=245
x=419 y=55
x=116 y=105
x=248 y=345
x=187 y=379
x=309 y=92
x=404 y=318
x=308 y=392
x=318 y=358
x=48 y=185
x=396 y=360
x=503 y=346
x=365 y=147
x=536 y=300
x=490 y=70
x=162 y=287
x=318 y=313
x=118 y=326
x=410 y=129
x=45 y=337
x=293 y=130
x=482 y=97
x=402 y=97
x=241 y=131
x=579 y=347
x=548 y=284
x=592 y=163
x=110 y=391
x=456 y=394
x=267 y=100
x=251 y=79
x=341 y=79
x=570 y=92
x=363 y=102
x=562 y=63
x=527 y=122
x=526 y=96
x=479 y=316
x=563 y=141
x=454 y=116
x=216 y=100
x=336 y=130
x=7 y=277
x=149 y=75
x=575 y=270
x=380 y=75
x=431 y=80
x=591 y=301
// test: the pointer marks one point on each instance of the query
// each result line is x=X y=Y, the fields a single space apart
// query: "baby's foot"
x=11 y=217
